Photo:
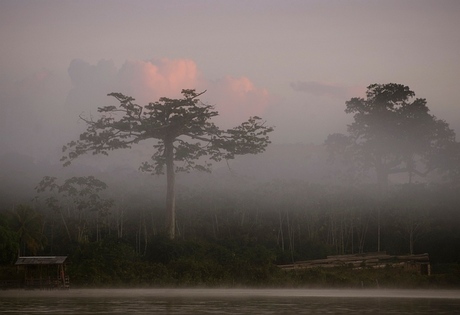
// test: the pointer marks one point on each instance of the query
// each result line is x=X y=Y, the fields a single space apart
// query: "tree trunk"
x=146 y=238
x=378 y=230
x=382 y=180
x=362 y=235
x=65 y=225
x=170 y=190
x=411 y=241
x=119 y=218
x=281 y=233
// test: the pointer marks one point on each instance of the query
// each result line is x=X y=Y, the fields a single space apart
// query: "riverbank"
x=114 y=263
x=157 y=276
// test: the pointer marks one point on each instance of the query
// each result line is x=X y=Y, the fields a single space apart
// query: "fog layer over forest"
x=327 y=188
x=311 y=152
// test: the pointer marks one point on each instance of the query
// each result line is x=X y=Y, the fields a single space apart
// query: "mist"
x=323 y=186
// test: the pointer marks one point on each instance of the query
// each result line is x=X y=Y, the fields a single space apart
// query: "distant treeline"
x=232 y=235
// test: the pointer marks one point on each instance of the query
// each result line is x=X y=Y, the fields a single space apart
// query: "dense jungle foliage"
x=237 y=235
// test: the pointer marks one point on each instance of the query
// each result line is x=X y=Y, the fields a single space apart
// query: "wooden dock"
x=420 y=263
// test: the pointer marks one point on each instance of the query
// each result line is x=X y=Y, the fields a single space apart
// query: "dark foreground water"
x=229 y=301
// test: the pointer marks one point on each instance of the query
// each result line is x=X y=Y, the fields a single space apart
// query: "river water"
x=229 y=301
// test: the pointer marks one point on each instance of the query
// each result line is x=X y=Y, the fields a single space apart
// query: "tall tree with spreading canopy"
x=184 y=134
x=393 y=132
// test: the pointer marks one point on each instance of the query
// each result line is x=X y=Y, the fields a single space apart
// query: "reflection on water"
x=229 y=301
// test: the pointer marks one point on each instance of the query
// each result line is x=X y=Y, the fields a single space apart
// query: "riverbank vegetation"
x=233 y=238
x=233 y=264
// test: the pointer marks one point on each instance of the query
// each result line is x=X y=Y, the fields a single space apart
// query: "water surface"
x=229 y=301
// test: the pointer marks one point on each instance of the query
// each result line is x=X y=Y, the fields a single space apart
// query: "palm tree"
x=28 y=224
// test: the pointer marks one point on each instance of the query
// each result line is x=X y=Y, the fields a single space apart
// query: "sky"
x=293 y=63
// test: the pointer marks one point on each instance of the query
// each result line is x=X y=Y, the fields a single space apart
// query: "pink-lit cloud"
x=148 y=80
x=235 y=98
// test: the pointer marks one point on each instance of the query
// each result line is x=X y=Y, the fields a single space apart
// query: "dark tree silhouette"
x=183 y=131
x=393 y=133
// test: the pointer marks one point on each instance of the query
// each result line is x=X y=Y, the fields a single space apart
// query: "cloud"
x=235 y=98
x=325 y=89
x=30 y=112
x=148 y=80
x=82 y=74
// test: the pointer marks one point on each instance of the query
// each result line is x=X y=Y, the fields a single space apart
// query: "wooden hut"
x=44 y=272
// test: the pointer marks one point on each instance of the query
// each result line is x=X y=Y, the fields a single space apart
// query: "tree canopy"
x=393 y=132
x=184 y=132
x=79 y=196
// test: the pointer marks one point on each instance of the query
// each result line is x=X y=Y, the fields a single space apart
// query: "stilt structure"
x=44 y=272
